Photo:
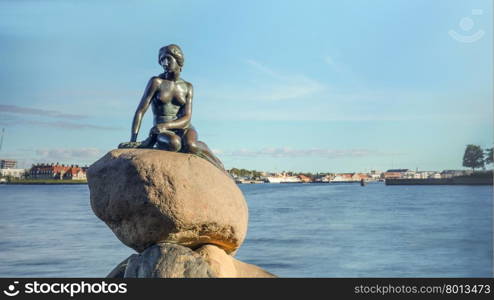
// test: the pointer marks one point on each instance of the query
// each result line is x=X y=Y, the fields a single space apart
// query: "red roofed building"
x=57 y=171
x=75 y=173
x=350 y=177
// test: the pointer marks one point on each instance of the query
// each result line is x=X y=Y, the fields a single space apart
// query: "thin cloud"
x=61 y=154
x=71 y=125
x=264 y=69
x=318 y=152
x=329 y=60
x=283 y=87
x=354 y=106
x=8 y=120
x=39 y=112
x=341 y=68
x=288 y=91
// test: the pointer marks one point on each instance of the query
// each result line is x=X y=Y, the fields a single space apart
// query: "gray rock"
x=151 y=196
x=166 y=260
x=119 y=270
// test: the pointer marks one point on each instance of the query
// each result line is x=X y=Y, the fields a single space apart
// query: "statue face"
x=169 y=63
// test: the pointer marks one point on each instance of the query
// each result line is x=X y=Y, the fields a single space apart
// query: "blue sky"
x=320 y=86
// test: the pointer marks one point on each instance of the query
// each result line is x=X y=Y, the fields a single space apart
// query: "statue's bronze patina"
x=171 y=100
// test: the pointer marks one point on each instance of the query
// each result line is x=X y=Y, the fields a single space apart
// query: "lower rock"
x=224 y=265
x=119 y=270
x=165 y=260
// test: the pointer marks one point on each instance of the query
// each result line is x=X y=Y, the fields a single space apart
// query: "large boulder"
x=152 y=196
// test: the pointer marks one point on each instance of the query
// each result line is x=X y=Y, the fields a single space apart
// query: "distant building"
x=422 y=175
x=350 y=177
x=324 y=178
x=410 y=174
x=436 y=175
x=8 y=164
x=455 y=173
x=14 y=173
x=57 y=171
x=376 y=175
x=304 y=178
x=396 y=173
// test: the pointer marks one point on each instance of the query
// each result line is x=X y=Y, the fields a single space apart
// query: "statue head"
x=173 y=54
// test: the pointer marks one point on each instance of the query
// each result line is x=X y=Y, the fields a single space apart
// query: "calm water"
x=295 y=230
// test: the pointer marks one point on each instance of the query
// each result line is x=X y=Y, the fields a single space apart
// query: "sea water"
x=295 y=230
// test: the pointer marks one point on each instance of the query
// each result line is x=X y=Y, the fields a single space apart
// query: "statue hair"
x=173 y=50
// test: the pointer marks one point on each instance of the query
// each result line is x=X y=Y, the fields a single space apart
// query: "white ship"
x=283 y=179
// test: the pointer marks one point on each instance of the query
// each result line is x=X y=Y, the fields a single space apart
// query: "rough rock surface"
x=167 y=261
x=150 y=196
x=223 y=265
x=119 y=270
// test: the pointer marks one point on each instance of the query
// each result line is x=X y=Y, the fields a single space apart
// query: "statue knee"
x=176 y=144
x=169 y=143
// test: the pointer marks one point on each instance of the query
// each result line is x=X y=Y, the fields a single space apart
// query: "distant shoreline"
x=45 y=182
x=462 y=180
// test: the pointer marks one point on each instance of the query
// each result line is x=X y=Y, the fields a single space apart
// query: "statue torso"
x=169 y=100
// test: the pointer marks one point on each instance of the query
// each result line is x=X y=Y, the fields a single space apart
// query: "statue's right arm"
x=149 y=92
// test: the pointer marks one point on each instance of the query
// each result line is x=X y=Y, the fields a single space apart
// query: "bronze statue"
x=170 y=98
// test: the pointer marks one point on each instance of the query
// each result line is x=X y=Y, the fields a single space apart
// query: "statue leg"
x=169 y=141
x=192 y=145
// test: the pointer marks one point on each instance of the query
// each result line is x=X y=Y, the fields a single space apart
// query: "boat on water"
x=283 y=179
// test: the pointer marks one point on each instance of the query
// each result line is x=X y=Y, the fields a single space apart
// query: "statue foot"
x=129 y=145
x=147 y=144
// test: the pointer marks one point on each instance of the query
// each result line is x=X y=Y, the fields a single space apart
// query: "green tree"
x=489 y=156
x=473 y=157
